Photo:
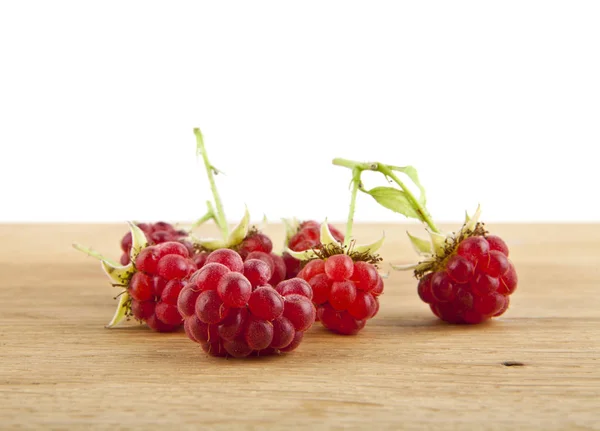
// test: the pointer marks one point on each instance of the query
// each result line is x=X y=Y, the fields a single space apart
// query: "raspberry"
x=344 y=291
x=237 y=314
x=471 y=282
x=466 y=276
x=156 y=233
x=156 y=284
x=153 y=281
x=307 y=236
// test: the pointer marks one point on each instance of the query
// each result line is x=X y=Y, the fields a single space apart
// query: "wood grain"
x=60 y=369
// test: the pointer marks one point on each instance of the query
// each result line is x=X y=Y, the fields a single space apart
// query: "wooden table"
x=60 y=369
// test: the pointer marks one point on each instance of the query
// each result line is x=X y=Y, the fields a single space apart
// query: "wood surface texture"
x=61 y=369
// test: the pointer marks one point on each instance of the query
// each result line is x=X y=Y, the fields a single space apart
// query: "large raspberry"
x=305 y=237
x=231 y=311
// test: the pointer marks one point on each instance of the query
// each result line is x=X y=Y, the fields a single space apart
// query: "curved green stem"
x=420 y=209
x=350 y=222
x=219 y=214
x=388 y=171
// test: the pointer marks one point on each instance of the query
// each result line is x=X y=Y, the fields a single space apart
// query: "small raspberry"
x=344 y=292
x=156 y=233
x=158 y=280
x=306 y=237
x=344 y=280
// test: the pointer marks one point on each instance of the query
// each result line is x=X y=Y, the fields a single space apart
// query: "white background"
x=495 y=103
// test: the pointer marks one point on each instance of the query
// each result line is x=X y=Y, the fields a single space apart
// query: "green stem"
x=219 y=216
x=350 y=222
x=210 y=214
x=388 y=171
x=94 y=254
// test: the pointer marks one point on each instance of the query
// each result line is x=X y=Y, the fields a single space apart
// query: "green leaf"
x=394 y=200
x=411 y=173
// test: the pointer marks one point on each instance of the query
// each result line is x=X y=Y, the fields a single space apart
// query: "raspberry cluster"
x=473 y=283
x=156 y=233
x=306 y=237
x=345 y=292
x=155 y=285
x=230 y=308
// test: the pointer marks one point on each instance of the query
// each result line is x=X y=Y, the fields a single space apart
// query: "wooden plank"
x=60 y=369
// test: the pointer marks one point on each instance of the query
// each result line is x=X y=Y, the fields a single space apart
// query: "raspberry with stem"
x=343 y=276
x=462 y=275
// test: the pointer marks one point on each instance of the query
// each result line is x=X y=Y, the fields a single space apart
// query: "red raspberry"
x=472 y=282
x=345 y=292
x=156 y=233
x=152 y=282
x=235 y=313
x=155 y=286
x=306 y=237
